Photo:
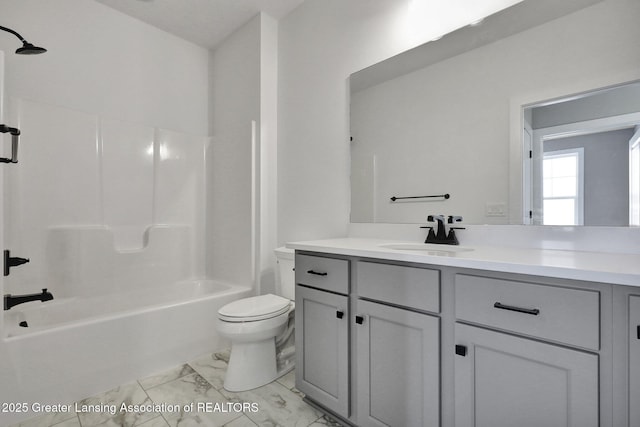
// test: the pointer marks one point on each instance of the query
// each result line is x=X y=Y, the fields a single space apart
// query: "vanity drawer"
x=324 y=273
x=412 y=287
x=565 y=315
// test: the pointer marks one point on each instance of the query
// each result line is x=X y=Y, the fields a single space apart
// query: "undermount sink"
x=426 y=247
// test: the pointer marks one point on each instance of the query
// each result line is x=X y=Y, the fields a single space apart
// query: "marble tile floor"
x=161 y=401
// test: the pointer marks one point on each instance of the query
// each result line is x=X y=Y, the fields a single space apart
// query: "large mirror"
x=457 y=117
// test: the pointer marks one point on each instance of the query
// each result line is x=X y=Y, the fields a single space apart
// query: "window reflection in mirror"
x=585 y=159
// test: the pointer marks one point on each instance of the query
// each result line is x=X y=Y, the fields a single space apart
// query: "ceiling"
x=204 y=22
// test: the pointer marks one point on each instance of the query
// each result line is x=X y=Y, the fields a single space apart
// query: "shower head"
x=27 y=48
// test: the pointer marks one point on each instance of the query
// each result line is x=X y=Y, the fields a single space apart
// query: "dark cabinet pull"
x=461 y=350
x=359 y=320
x=532 y=311
x=638 y=332
x=339 y=314
x=316 y=273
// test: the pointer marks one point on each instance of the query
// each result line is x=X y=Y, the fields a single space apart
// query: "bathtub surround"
x=82 y=261
x=91 y=190
x=111 y=215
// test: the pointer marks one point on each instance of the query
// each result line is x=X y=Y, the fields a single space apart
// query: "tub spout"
x=12 y=300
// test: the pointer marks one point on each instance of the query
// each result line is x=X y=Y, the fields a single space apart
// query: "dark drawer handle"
x=339 y=314
x=316 y=273
x=532 y=311
x=638 y=332
x=359 y=320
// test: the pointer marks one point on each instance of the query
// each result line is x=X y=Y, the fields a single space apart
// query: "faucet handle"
x=432 y=218
x=431 y=235
x=454 y=218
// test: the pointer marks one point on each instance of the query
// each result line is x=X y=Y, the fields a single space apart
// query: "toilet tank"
x=285 y=283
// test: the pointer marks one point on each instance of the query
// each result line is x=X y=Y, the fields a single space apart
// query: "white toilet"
x=261 y=331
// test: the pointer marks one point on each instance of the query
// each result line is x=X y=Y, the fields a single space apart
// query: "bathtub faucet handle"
x=10 y=261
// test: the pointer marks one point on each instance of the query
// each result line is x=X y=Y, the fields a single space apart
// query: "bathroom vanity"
x=484 y=337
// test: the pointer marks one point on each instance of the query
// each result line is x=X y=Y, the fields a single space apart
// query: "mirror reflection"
x=584 y=159
x=448 y=118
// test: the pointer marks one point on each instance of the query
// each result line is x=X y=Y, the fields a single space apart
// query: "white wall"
x=268 y=186
x=103 y=62
x=241 y=159
x=234 y=90
x=320 y=44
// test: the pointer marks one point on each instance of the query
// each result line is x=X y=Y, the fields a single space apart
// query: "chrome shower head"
x=27 y=48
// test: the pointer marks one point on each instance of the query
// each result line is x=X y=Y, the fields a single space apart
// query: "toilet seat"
x=256 y=308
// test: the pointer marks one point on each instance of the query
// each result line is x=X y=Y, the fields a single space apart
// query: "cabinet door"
x=634 y=361
x=398 y=366
x=322 y=348
x=505 y=381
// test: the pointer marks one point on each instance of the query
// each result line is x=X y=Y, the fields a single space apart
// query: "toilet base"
x=252 y=365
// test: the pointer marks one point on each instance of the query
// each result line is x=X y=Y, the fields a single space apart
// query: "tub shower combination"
x=121 y=301
x=76 y=346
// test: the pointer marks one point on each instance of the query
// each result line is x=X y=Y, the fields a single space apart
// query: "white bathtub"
x=71 y=312
x=77 y=347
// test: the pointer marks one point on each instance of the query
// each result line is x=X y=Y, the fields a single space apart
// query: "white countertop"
x=620 y=269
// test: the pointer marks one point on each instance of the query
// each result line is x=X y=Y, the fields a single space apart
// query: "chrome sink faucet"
x=440 y=236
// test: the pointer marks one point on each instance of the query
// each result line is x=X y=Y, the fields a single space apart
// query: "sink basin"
x=426 y=247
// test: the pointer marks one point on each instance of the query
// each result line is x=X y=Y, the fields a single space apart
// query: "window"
x=562 y=187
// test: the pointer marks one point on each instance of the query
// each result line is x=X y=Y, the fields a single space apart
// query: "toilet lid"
x=254 y=308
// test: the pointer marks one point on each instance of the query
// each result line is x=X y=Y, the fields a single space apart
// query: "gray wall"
x=606 y=181
x=609 y=103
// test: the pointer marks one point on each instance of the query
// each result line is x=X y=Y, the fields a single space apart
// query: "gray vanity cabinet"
x=503 y=380
x=369 y=353
x=397 y=366
x=634 y=360
x=397 y=345
x=514 y=361
x=322 y=348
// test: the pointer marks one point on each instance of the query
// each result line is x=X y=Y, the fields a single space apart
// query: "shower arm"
x=15 y=135
x=15 y=33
